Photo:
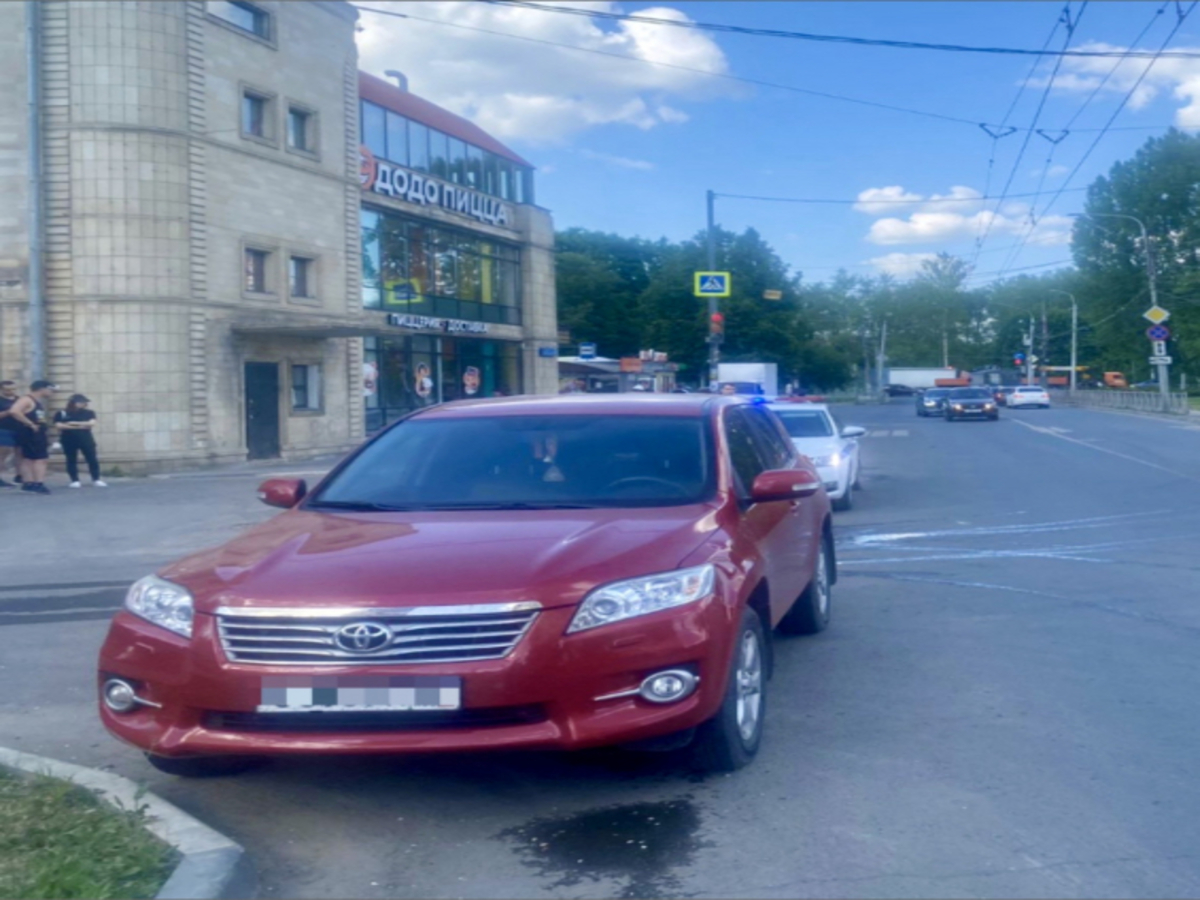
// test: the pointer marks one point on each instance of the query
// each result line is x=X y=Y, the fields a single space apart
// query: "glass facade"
x=411 y=266
x=408 y=372
x=410 y=144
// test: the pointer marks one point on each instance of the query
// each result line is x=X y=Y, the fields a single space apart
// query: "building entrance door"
x=262 y=410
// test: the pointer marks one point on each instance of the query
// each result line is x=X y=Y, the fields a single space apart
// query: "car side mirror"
x=282 y=492
x=853 y=431
x=784 y=484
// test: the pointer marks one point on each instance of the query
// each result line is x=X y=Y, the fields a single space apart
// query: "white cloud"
x=621 y=162
x=885 y=199
x=940 y=227
x=902 y=265
x=1055 y=171
x=1179 y=77
x=539 y=93
x=960 y=199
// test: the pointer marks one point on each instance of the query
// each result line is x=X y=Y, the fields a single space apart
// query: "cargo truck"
x=756 y=379
x=903 y=381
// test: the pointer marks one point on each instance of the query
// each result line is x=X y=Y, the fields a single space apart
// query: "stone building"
x=204 y=197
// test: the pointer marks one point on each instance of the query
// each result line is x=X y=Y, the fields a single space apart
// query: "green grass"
x=58 y=840
x=1195 y=402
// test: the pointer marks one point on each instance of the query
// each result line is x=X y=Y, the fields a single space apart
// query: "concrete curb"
x=212 y=866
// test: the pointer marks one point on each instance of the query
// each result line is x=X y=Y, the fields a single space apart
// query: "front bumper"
x=836 y=480
x=972 y=413
x=542 y=695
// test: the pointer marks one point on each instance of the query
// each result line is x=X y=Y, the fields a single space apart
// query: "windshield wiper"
x=505 y=506
x=358 y=506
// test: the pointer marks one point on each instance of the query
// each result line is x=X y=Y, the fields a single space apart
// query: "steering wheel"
x=648 y=479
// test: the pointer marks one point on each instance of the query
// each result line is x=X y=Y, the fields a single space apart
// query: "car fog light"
x=668 y=687
x=119 y=695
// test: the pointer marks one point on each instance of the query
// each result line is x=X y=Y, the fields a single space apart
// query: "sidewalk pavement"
x=135 y=525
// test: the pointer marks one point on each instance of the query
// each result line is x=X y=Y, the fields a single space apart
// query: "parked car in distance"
x=929 y=403
x=1029 y=396
x=1001 y=395
x=970 y=403
x=532 y=572
x=833 y=449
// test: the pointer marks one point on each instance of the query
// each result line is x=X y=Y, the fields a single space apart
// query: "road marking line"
x=901 y=433
x=1090 y=446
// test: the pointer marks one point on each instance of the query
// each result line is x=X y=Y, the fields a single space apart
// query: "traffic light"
x=716 y=324
x=1018 y=359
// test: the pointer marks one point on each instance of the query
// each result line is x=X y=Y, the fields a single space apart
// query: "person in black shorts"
x=8 y=430
x=75 y=432
x=32 y=438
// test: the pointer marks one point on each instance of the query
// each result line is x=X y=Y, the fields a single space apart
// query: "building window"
x=418 y=147
x=256 y=271
x=397 y=139
x=306 y=388
x=374 y=134
x=256 y=116
x=248 y=18
x=300 y=277
x=301 y=129
x=411 y=266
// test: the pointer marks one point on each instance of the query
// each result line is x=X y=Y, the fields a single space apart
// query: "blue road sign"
x=711 y=284
x=587 y=351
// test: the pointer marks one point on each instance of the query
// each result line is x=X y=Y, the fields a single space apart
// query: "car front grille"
x=410 y=635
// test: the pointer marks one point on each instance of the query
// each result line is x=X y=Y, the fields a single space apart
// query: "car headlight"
x=163 y=603
x=958 y=406
x=989 y=406
x=931 y=403
x=641 y=596
x=833 y=459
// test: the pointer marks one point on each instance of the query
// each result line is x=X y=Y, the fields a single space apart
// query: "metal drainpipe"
x=37 y=297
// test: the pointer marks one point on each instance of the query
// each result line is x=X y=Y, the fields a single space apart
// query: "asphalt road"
x=1006 y=705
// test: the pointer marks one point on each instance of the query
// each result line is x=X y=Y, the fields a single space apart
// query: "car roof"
x=632 y=404
x=798 y=406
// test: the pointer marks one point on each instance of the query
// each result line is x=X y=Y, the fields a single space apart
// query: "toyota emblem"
x=362 y=637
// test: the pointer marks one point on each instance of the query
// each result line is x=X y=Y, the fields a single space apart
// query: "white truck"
x=760 y=379
x=910 y=380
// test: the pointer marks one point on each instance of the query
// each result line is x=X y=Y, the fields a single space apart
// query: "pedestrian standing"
x=75 y=425
x=8 y=431
x=32 y=438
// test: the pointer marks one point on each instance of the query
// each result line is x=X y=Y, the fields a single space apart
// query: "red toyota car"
x=555 y=572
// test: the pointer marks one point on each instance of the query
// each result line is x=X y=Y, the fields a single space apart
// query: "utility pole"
x=714 y=340
x=1045 y=346
x=1074 y=336
x=1029 y=354
x=881 y=359
x=1164 y=374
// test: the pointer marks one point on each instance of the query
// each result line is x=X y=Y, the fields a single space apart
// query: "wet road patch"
x=642 y=844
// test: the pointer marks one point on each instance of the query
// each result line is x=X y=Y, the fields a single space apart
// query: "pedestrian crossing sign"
x=712 y=284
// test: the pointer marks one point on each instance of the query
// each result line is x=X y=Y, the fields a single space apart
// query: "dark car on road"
x=970 y=403
x=541 y=573
x=1001 y=395
x=929 y=403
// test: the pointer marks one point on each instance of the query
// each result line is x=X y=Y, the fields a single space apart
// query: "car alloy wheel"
x=749 y=678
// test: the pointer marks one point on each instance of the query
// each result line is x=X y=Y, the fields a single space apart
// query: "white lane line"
x=1091 y=446
x=877 y=434
x=901 y=433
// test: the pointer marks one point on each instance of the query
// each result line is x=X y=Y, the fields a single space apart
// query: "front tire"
x=810 y=613
x=730 y=739
x=202 y=766
x=845 y=502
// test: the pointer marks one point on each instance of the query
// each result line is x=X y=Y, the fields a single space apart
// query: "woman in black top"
x=75 y=432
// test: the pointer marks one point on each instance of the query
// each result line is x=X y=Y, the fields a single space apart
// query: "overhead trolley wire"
x=1183 y=15
x=821 y=38
x=827 y=95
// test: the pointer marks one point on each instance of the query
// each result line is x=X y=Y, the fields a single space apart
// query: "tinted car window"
x=806 y=423
x=970 y=394
x=743 y=449
x=774 y=447
x=591 y=461
x=935 y=394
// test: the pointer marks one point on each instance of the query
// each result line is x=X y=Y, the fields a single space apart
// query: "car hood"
x=306 y=558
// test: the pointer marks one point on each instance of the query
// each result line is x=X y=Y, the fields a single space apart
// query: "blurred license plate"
x=359 y=694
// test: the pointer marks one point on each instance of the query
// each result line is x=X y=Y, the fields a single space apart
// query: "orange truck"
x=1115 y=380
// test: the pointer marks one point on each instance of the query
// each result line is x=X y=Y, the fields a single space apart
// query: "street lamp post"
x=1164 y=377
x=714 y=346
x=1074 y=334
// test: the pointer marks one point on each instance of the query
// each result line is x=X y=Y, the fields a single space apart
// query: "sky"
x=631 y=145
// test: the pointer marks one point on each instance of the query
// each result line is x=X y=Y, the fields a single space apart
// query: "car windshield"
x=935 y=394
x=806 y=423
x=971 y=394
x=528 y=462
